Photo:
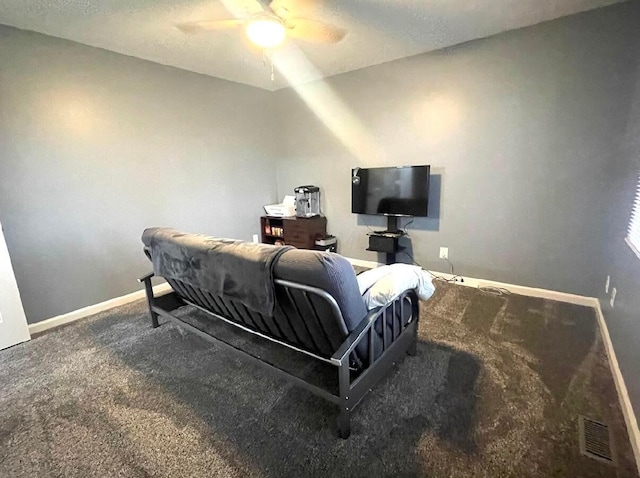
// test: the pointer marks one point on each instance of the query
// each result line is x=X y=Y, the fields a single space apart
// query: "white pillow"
x=380 y=285
x=369 y=277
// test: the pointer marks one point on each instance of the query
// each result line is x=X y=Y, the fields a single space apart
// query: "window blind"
x=633 y=234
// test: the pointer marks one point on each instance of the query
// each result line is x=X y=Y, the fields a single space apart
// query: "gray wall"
x=623 y=320
x=531 y=137
x=518 y=129
x=97 y=146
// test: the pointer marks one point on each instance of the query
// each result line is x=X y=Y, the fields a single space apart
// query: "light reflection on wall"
x=437 y=117
x=326 y=104
x=72 y=112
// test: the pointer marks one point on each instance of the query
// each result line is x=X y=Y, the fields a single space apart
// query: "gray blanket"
x=228 y=268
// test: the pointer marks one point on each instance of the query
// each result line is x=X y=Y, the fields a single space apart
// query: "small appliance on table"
x=286 y=208
x=307 y=201
x=327 y=244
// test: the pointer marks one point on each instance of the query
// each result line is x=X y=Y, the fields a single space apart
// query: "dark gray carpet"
x=495 y=391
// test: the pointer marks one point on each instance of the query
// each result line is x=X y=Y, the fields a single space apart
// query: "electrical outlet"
x=613 y=297
x=606 y=285
x=444 y=253
x=256 y=239
x=0 y=317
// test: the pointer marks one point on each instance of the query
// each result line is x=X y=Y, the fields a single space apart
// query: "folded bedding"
x=379 y=286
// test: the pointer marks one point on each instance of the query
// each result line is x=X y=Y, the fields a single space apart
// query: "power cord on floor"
x=454 y=278
x=499 y=291
x=451 y=280
x=450 y=266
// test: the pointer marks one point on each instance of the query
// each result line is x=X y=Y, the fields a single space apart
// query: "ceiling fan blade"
x=264 y=4
x=208 y=25
x=284 y=8
x=313 y=31
x=243 y=8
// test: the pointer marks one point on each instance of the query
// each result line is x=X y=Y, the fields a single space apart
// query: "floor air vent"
x=595 y=440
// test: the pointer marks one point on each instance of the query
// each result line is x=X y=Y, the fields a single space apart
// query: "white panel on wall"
x=633 y=234
x=13 y=323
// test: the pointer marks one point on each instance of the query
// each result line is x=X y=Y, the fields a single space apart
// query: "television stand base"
x=387 y=241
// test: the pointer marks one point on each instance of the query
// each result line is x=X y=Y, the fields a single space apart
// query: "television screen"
x=394 y=191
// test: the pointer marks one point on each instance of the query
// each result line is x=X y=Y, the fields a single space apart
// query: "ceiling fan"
x=268 y=23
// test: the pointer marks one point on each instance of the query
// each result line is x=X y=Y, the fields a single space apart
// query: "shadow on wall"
x=430 y=223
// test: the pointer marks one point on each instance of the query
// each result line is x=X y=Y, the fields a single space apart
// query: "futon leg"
x=149 y=291
x=344 y=423
x=413 y=348
x=154 y=320
x=344 y=419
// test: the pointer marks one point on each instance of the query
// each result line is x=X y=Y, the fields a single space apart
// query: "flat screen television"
x=391 y=191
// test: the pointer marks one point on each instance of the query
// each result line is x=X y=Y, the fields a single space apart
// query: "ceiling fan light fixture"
x=266 y=32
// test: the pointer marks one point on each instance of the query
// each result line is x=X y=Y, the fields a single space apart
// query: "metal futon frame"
x=356 y=374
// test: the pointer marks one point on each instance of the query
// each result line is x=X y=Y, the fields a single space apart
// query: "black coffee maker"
x=307 y=201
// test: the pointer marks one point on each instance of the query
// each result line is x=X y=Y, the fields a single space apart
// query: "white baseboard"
x=516 y=289
x=623 y=394
x=621 y=387
x=92 y=309
x=525 y=290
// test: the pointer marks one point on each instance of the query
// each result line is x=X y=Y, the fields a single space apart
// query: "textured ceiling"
x=379 y=30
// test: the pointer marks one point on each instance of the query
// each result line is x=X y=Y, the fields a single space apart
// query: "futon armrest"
x=360 y=332
x=354 y=338
x=146 y=277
